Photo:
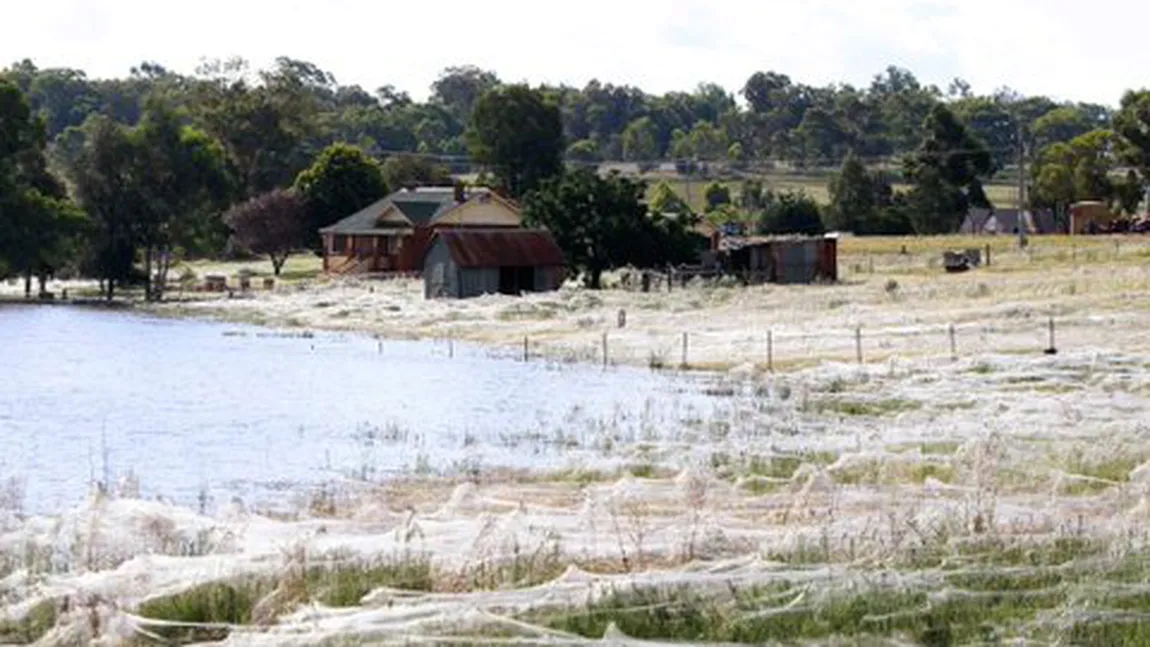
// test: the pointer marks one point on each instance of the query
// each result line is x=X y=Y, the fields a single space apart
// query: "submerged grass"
x=32 y=627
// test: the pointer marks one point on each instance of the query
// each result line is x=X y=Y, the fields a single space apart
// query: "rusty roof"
x=501 y=247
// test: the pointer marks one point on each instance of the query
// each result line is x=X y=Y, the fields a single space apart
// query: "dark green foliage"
x=861 y=202
x=39 y=226
x=342 y=181
x=601 y=223
x=411 y=170
x=1132 y=123
x=946 y=171
x=717 y=194
x=518 y=133
x=792 y=212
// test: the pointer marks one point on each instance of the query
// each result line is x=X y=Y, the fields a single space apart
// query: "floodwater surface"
x=203 y=411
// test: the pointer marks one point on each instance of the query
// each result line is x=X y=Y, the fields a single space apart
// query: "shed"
x=464 y=263
x=1091 y=217
x=781 y=260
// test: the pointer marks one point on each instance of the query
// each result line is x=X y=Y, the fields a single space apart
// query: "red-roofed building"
x=464 y=263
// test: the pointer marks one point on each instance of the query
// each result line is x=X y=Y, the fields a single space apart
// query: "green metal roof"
x=420 y=207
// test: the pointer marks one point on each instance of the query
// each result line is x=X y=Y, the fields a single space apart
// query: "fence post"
x=858 y=343
x=450 y=344
x=953 y=344
x=771 y=351
x=1052 y=349
x=605 y=356
x=684 y=364
x=988 y=254
x=526 y=350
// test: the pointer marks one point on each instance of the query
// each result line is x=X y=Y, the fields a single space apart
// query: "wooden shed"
x=780 y=260
x=465 y=263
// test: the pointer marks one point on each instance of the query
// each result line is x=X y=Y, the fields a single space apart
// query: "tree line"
x=118 y=178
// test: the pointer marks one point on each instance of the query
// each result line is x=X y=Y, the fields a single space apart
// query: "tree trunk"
x=278 y=263
x=165 y=263
x=111 y=288
x=596 y=278
x=28 y=284
x=43 y=279
x=148 y=273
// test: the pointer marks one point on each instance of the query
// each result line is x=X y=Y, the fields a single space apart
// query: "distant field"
x=1003 y=195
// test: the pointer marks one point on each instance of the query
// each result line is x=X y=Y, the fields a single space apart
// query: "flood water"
x=193 y=408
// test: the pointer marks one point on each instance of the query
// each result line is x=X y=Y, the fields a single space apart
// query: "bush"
x=792 y=213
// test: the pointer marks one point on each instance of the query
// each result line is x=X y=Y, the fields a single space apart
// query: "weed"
x=873 y=408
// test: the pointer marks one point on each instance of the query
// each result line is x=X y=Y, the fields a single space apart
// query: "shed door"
x=514 y=280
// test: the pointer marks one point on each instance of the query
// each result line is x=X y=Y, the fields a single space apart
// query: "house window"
x=394 y=244
x=338 y=243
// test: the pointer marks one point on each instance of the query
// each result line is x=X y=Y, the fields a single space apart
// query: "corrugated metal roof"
x=501 y=247
x=420 y=207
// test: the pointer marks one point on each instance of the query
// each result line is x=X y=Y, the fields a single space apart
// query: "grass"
x=768 y=467
x=813 y=183
x=870 y=408
x=992 y=594
x=215 y=603
x=29 y=629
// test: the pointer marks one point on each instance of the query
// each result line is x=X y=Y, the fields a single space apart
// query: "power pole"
x=1021 y=188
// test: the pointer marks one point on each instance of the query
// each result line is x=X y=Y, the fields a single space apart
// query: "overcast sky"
x=1068 y=49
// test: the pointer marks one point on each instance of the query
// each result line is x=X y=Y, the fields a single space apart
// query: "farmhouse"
x=392 y=234
x=1009 y=221
x=763 y=259
x=463 y=263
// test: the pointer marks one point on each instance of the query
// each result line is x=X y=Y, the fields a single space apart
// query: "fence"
x=774 y=350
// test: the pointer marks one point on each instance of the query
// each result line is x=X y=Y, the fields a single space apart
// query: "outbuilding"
x=770 y=259
x=465 y=263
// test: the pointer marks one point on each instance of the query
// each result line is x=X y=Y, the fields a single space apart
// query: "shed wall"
x=548 y=278
x=477 y=281
x=440 y=275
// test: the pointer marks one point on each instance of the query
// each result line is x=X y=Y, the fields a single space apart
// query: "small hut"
x=794 y=259
x=464 y=263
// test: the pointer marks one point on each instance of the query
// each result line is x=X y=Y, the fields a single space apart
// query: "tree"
x=584 y=150
x=255 y=129
x=1076 y=170
x=1132 y=123
x=854 y=198
x=107 y=184
x=665 y=200
x=792 y=213
x=38 y=225
x=717 y=194
x=946 y=172
x=459 y=88
x=1061 y=125
x=601 y=223
x=639 y=143
x=342 y=181
x=184 y=182
x=274 y=223
x=412 y=170
x=518 y=133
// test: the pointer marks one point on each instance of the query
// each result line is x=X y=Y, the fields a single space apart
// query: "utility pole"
x=1021 y=188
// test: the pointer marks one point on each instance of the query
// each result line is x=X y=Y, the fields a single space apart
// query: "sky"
x=1066 y=49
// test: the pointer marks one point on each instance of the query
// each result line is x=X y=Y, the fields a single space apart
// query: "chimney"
x=460 y=193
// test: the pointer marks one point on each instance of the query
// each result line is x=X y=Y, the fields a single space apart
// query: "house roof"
x=500 y=247
x=1007 y=221
x=418 y=208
